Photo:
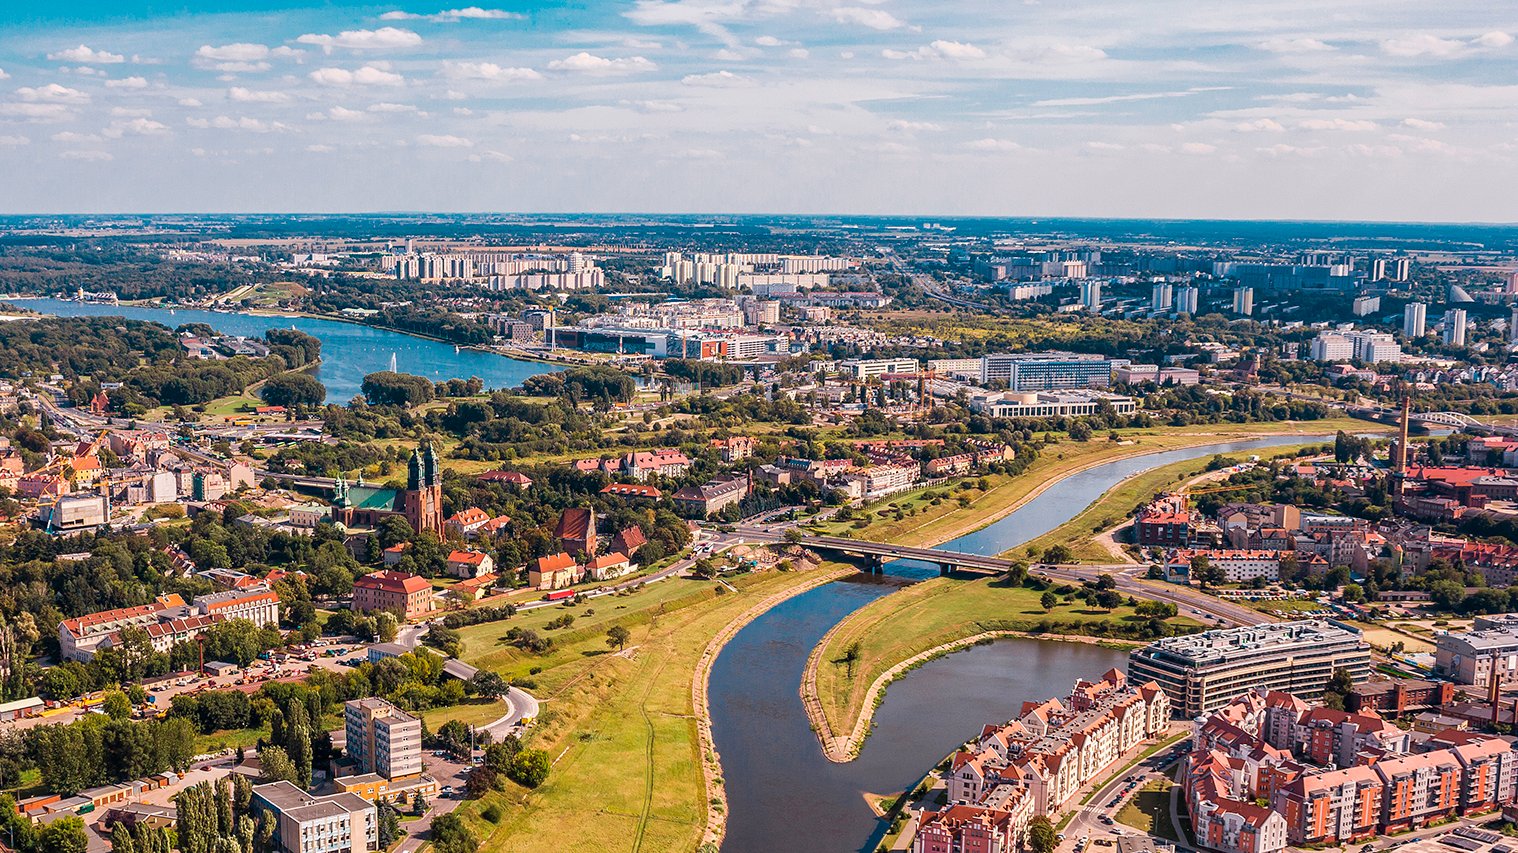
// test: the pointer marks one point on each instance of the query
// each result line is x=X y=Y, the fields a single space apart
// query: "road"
x=1109 y=800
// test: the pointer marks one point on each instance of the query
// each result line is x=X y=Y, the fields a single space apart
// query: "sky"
x=1299 y=109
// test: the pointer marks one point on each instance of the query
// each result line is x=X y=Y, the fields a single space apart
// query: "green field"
x=621 y=728
x=1148 y=810
x=929 y=614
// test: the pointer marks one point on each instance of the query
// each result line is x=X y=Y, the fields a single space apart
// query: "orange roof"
x=612 y=559
x=473 y=558
x=473 y=515
x=393 y=582
x=555 y=562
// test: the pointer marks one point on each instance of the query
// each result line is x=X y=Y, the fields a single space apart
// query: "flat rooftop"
x=1231 y=643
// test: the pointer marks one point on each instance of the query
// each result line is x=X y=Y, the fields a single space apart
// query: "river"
x=783 y=794
x=349 y=350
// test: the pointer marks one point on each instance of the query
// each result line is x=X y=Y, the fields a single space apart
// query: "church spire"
x=340 y=492
x=430 y=465
x=414 y=471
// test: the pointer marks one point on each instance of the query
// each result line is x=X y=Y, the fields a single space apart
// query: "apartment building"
x=304 y=823
x=1047 y=371
x=1489 y=650
x=1238 y=565
x=866 y=368
x=398 y=592
x=382 y=738
x=168 y=620
x=1203 y=672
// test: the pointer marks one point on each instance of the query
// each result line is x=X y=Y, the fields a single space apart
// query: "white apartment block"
x=304 y=823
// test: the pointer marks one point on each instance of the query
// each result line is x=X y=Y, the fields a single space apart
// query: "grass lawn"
x=1119 y=502
x=622 y=730
x=934 y=524
x=1148 y=810
x=928 y=614
x=477 y=712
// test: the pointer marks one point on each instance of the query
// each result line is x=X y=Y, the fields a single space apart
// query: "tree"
x=386 y=388
x=1353 y=593
x=1338 y=689
x=293 y=389
x=1041 y=835
x=1109 y=599
x=450 y=835
x=1058 y=554
x=1048 y=600
x=389 y=824
x=65 y=835
x=851 y=656
x=529 y=768
x=277 y=766
x=116 y=705
x=1204 y=572
x=1017 y=573
x=617 y=637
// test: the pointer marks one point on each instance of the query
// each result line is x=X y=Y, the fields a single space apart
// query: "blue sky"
x=1316 y=109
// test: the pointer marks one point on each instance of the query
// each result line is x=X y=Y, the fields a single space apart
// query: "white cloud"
x=254 y=96
x=940 y=49
x=54 y=93
x=320 y=149
x=88 y=156
x=69 y=137
x=127 y=83
x=1422 y=124
x=3 y=75
x=369 y=75
x=36 y=112
x=130 y=112
x=1266 y=125
x=586 y=63
x=1197 y=148
x=1295 y=45
x=190 y=102
x=444 y=141
x=654 y=106
x=768 y=41
x=87 y=55
x=489 y=71
x=798 y=53
x=242 y=123
x=451 y=16
x=1116 y=99
x=905 y=126
x=384 y=38
x=1495 y=38
x=1420 y=45
x=236 y=52
x=717 y=80
x=138 y=126
x=875 y=19
x=1105 y=147
x=1345 y=124
x=990 y=144
x=387 y=107
x=490 y=157
x=14 y=140
x=1070 y=53
x=345 y=114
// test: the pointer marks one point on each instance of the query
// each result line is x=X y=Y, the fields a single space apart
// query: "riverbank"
x=923 y=523
x=630 y=759
x=1117 y=504
x=942 y=611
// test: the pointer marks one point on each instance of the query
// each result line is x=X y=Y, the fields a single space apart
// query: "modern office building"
x=382 y=738
x=864 y=368
x=1454 y=327
x=1203 y=672
x=1047 y=371
x=1414 y=320
x=1475 y=656
x=304 y=823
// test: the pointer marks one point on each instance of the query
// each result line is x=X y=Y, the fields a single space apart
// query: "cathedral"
x=421 y=502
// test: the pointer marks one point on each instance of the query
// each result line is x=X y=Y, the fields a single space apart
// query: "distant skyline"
x=1124 y=108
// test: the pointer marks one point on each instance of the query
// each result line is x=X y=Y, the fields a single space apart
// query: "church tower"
x=423 y=499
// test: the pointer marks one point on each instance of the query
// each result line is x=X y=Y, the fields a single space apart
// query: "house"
x=394 y=553
x=632 y=491
x=640 y=465
x=629 y=540
x=609 y=566
x=397 y=592
x=465 y=522
x=734 y=449
x=510 y=478
x=712 y=497
x=555 y=571
x=470 y=564
x=576 y=530
x=493 y=526
x=473 y=589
